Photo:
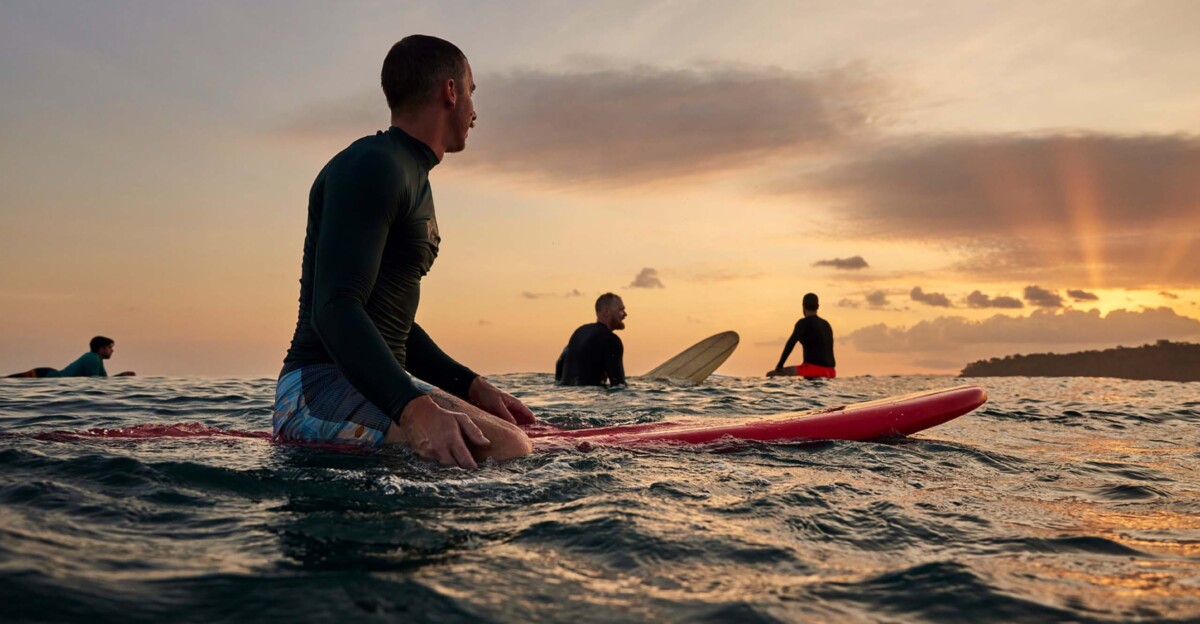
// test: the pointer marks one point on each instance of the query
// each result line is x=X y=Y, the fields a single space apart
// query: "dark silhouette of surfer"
x=815 y=336
x=595 y=355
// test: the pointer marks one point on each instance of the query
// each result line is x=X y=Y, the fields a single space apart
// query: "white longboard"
x=698 y=361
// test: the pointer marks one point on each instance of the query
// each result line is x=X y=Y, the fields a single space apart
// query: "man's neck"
x=425 y=127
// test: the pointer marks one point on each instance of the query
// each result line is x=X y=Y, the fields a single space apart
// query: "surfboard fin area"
x=891 y=417
x=698 y=361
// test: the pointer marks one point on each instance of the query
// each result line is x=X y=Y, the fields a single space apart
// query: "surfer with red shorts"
x=816 y=338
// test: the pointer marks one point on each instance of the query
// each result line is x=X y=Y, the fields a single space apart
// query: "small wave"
x=942 y=591
x=1127 y=471
x=1071 y=544
x=150 y=431
x=1129 y=492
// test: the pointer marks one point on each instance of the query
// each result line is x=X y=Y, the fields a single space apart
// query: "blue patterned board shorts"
x=316 y=403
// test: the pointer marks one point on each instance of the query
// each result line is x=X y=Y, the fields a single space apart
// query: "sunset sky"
x=956 y=180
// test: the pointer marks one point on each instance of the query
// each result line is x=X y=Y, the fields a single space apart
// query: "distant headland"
x=1163 y=361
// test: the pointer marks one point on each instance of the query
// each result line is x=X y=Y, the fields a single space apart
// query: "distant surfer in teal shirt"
x=90 y=364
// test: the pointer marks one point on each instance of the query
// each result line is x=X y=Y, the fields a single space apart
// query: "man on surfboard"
x=90 y=364
x=595 y=355
x=816 y=338
x=372 y=235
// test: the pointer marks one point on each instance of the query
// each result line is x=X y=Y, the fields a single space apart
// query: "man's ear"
x=450 y=92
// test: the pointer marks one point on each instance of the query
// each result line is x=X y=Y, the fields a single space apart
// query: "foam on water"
x=1060 y=500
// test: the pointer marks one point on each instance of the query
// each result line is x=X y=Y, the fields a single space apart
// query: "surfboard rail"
x=890 y=417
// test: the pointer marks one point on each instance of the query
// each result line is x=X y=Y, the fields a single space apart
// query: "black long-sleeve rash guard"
x=594 y=355
x=815 y=336
x=372 y=235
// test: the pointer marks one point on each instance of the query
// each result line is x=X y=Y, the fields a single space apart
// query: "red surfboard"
x=886 y=418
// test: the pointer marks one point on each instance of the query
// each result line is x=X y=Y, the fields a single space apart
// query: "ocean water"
x=1070 y=499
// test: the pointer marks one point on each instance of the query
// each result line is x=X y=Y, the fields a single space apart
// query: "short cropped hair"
x=605 y=300
x=99 y=342
x=416 y=66
x=810 y=302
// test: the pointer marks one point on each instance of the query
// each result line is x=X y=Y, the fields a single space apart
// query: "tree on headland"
x=1164 y=361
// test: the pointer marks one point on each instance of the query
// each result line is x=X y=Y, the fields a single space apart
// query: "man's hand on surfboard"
x=439 y=434
x=500 y=404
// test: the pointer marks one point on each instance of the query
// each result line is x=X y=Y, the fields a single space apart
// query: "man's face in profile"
x=464 y=112
x=614 y=315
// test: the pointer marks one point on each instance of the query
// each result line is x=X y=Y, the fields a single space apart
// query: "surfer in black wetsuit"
x=595 y=356
x=372 y=235
x=816 y=338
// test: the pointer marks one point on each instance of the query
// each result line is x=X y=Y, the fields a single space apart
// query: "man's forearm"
x=787 y=351
x=427 y=361
x=615 y=371
x=363 y=356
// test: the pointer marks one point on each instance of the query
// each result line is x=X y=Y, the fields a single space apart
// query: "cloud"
x=848 y=303
x=1042 y=298
x=965 y=185
x=723 y=276
x=938 y=363
x=979 y=300
x=648 y=123
x=647 y=278
x=931 y=299
x=548 y=295
x=1042 y=328
x=1119 y=210
x=597 y=124
x=1168 y=295
x=877 y=299
x=852 y=263
x=1082 y=295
